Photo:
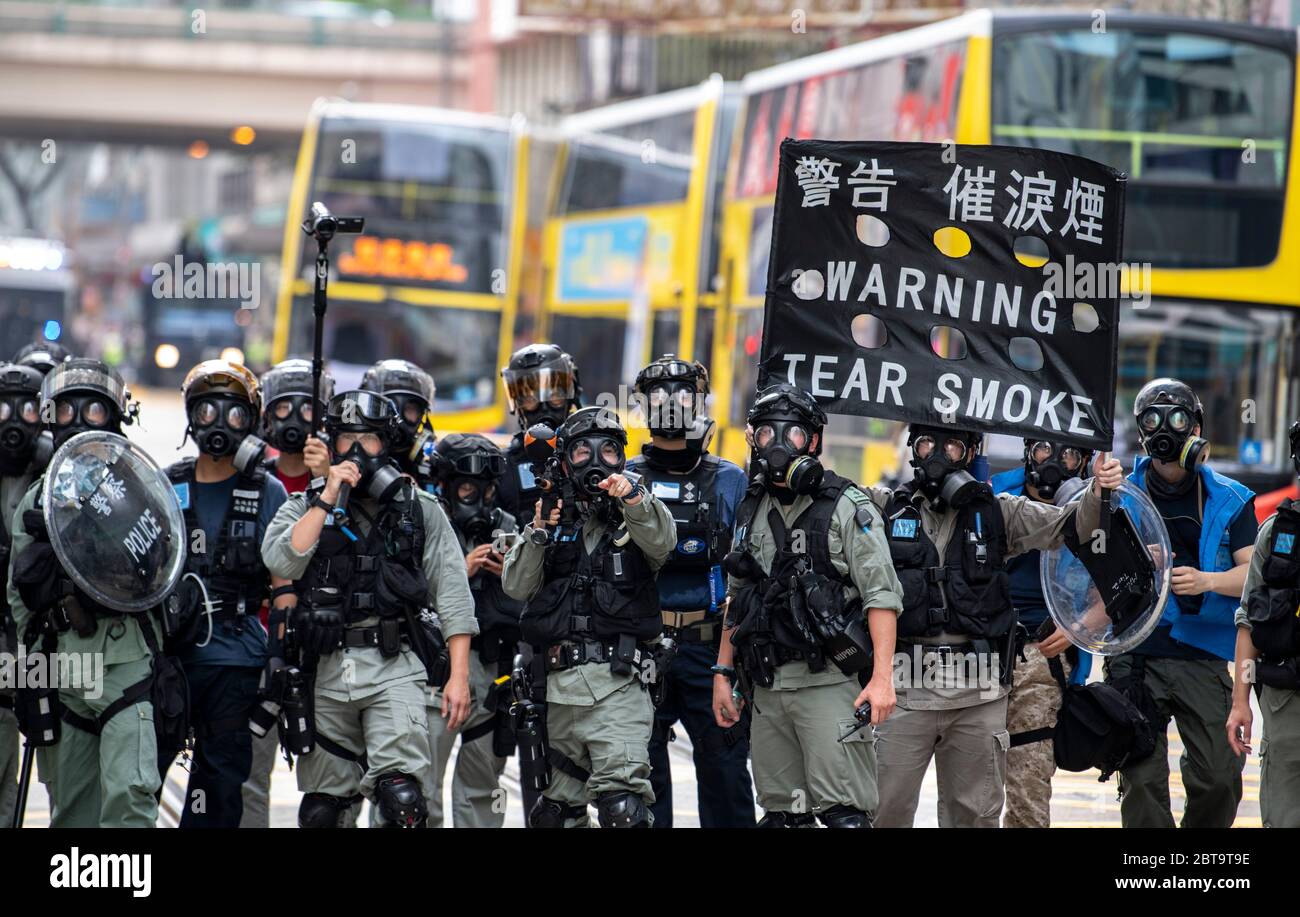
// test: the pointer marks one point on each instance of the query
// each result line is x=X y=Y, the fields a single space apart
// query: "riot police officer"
x=541 y=387
x=364 y=574
x=1180 y=671
x=105 y=770
x=468 y=467
x=950 y=538
x=702 y=492
x=412 y=390
x=1050 y=473
x=286 y=424
x=20 y=433
x=592 y=615
x=811 y=594
x=228 y=500
x=1268 y=658
x=42 y=356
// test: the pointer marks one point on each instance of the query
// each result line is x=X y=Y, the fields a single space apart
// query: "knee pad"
x=320 y=810
x=787 y=820
x=845 y=817
x=547 y=813
x=400 y=802
x=623 y=810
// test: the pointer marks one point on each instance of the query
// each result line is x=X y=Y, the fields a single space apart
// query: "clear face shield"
x=545 y=390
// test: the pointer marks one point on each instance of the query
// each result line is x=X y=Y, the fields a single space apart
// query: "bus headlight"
x=233 y=355
x=167 y=356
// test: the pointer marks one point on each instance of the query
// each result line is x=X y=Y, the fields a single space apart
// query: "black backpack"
x=1097 y=726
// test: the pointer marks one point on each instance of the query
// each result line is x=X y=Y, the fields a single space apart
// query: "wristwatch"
x=318 y=502
x=540 y=537
x=636 y=491
x=723 y=670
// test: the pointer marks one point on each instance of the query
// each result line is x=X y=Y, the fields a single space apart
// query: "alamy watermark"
x=179 y=279
x=1092 y=280
x=81 y=672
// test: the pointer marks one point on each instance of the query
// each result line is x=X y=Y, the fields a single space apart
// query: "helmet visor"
x=530 y=389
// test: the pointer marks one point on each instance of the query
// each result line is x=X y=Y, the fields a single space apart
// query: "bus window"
x=665 y=332
x=1175 y=110
x=596 y=345
x=1232 y=357
x=749 y=339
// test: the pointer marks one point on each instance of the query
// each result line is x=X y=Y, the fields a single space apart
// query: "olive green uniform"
x=110 y=779
x=800 y=766
x=960 y=719
x=11 y=491
x=599 y=720
x=363 y=702
x=1279 y=746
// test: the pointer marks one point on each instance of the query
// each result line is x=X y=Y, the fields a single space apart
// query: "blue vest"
x=1213 y=629
x=1024 y=568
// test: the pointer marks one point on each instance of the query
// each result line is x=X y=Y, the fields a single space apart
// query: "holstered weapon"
x=528 y=715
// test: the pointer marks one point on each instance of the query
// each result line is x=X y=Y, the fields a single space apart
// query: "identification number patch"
x=666 y=490
x=904 y=529
x=1284 y=543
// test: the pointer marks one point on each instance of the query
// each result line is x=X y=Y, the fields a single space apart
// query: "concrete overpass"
x=176 y=75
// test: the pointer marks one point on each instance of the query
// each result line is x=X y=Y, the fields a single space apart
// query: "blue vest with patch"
x=1213 y=630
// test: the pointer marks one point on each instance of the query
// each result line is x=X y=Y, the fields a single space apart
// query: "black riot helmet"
x=223 y=402
x=672 y=393
x=785 y=427
x=42 y=356
x=940 y=457
x=351 y=420
x=1167 y=412
x=592 y=445
x=467 y=467
x=542 y=385
x=83 y=395
x=20 y=417
x=287 y=411
x=411 y=390
x=1048 y=465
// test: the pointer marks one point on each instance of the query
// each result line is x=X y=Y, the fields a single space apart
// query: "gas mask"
x=940 y=462
x=1165 y=431
x=473 y=506
x=1049 y=465
x=219 y=423
x=411 y=413
x=20 y=427
x=591 y=459
x=379 y=478
x=83 y=412
x=288 y=422
x=782 y=457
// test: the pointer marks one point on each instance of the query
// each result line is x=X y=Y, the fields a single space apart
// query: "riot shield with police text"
x=114 y=521
x=1107 y=591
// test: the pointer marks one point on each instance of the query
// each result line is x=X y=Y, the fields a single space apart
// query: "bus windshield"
x=1199 y=121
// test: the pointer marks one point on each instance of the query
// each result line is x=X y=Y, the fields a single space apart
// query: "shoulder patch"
x=857 y=495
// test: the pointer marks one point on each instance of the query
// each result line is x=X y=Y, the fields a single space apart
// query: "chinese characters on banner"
x=886 y=256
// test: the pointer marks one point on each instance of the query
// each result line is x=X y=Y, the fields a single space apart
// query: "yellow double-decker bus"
x=434 y=278
x=1200 y=114
x=630 y=245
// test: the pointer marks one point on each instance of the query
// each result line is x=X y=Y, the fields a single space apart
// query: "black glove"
x=323 y=631
x=271 y=685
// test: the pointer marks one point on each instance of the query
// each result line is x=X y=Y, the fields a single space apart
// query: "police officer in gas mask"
x=104 y=766
x=541 y=387
x=286 y=424
x=950 y=539
x=468 y=467
x=1179 y=671
x=228 y=500
x=702 y=492
x=811 y=592
x=592 y=615
x=1050 y=473
x=412 y=390
x=42 y=356
x=20 y=434
x=1268 y=659
x=365 y=572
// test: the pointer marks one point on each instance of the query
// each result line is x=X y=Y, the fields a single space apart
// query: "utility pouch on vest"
x=624 y=655
x=1283 y=675
x=1272 y=608
x=390 y=637
x=1124 y=573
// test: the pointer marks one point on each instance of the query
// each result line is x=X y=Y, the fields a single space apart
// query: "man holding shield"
x=950 y=538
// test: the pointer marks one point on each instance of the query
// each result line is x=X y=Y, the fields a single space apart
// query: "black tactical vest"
x=380 y=573
x=609 y=592
x=1272 y=607
x=702 y=540
x=777 y=610
x=232 y=569
x=498 y=617
x=517 y=490
x=968 y=591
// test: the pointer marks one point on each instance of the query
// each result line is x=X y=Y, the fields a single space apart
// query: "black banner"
x=967 y=286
